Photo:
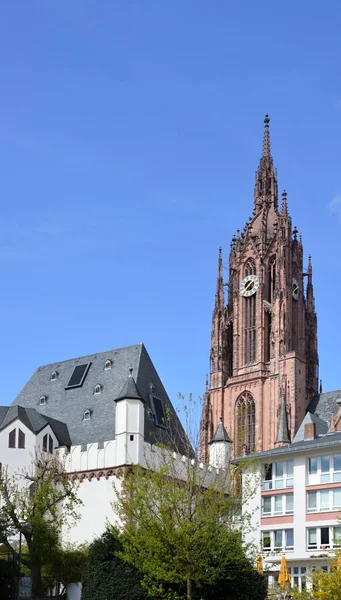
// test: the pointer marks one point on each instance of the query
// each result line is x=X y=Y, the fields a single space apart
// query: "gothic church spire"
x=266 y=189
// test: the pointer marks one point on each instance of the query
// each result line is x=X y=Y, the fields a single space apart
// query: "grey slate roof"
x=33 y=421
x=325 y=405
x=68 y=406
x=221 y=434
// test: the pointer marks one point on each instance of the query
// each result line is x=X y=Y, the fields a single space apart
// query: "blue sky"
x=130 y=132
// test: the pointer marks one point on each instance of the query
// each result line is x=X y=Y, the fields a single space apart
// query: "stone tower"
x=263 y=360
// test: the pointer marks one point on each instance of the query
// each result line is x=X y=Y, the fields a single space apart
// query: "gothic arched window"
x=245 y=424
x=249 y=319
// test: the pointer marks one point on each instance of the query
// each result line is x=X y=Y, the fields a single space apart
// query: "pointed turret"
x=284 y=207
x=129 y=390
x=266 y=189
x=220 y=447
x=282 y=429
x=310 y=290
x=220 y=288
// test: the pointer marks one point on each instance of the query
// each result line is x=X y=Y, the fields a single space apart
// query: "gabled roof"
x=321 y=427
x=33 y=421
x=68 y=405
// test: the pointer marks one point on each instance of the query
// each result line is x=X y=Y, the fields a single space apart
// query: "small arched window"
x=107 y=364
x=86 y=415
x=42 y=400
x=54 y=376
x=98 y=388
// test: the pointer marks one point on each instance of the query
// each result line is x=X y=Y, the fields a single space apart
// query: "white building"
x=102 y=413
x=296 y=508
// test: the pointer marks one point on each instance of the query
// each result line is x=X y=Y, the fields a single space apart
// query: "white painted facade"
x=304 y=506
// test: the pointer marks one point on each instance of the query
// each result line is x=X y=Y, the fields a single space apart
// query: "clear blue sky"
x=129 y=136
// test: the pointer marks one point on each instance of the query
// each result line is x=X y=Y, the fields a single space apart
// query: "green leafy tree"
x=35 y=504
x=181 y=527
x=67 y=565
x=107 y=575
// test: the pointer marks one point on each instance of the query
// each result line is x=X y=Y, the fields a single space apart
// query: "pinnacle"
x=266 y=138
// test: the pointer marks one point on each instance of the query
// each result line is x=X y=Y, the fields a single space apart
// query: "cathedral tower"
x=263 y=360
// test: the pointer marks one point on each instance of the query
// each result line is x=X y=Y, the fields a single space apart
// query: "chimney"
x=309 y=431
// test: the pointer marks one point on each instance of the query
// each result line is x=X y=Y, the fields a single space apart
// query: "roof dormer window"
x=108 y=364
x=54 y=376
x=86 y=415
x=42 y=400
x=98 y=388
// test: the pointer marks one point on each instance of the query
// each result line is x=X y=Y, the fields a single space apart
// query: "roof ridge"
x=58 y=362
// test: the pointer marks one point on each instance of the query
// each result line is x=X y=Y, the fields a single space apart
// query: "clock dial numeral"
x=249 y=285
x=295 y=289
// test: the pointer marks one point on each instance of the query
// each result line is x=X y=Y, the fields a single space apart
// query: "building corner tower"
x=263 y=358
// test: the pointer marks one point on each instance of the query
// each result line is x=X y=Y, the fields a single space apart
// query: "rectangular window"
x=337 y=537
x=312 y=539
x=289 y=539
x=289 y=503
x=45 y=443
x=312 y=501
x=312 y=466
x=266 y=540
x=324 y=536
x=278 y=475
x=267 y=505
x=337 y=468
x=337 y=498
x=278 y=505
x=50 y=445
x=21 y=439
x=325 y=469
x=11 y=438
x=278 y=543
x=78 y=376
x=324 y=500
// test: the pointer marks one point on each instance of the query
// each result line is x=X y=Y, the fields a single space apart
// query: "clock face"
x=249 y=285
x=295 y=289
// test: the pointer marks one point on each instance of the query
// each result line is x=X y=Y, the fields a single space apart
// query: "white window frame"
x=330 y=476
x=273 y=511
x=319 y=545
x=278 y=482
x=273 y=534
x=331 y=506
x=107 y=365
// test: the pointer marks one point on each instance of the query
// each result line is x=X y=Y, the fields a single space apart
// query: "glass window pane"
x=325 y=464
x=279 y=469
x=289 y=538
x=312 y=501
x=337 y=477
x=290 y=467
x=290 y=482
x=267 y=505
x=279 y=484
x=325 y=536
x=312 y=536
x=337 y=498
x=337 y=462
x=337 y=536
x=266 y=539
x=278 y=504
x=312 y=466
x=289 y=502
x=278 y=538
x=324 y=499
x=325 y=477
x=268 y=472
